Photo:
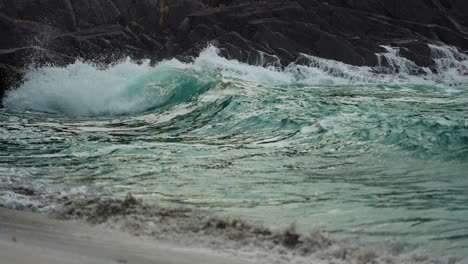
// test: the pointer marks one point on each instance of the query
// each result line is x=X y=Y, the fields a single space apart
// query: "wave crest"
x=83 y=89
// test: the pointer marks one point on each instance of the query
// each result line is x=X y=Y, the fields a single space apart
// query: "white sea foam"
x=77 y=89
x=83 y=89
x=18 y=192
x=203 y=230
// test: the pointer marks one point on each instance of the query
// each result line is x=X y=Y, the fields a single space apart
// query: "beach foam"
x=202 y=229
x=234 y=236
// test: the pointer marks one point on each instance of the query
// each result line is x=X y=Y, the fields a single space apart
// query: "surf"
x=86 y=89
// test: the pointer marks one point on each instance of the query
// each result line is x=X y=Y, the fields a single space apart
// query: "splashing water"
x=82 y=89
x=349 y=150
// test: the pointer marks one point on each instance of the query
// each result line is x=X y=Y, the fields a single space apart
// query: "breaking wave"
x=376 y=153
x=84 y=89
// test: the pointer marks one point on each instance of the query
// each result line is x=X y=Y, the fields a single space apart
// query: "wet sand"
x=34 y=238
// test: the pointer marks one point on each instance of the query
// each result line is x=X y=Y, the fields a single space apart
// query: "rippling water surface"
x=349 y=151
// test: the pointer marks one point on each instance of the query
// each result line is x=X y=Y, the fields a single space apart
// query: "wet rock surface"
x=36 y=32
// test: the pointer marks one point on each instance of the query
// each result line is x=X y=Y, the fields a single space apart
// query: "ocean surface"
x=365 y=154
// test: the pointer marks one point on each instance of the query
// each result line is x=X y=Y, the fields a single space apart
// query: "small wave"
x=203 y=229
x=192 y=227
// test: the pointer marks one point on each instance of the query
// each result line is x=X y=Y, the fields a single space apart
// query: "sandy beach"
x=34 y=238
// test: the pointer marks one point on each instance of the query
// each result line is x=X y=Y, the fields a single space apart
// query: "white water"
x=78 y=89
x=338 y=172
x=83 y=89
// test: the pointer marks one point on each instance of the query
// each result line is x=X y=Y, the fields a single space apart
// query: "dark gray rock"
x=9 y=77
x=58 y=13
x=274 y=32
x=91 y=13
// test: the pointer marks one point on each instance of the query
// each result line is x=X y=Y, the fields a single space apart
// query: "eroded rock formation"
x=351 y=31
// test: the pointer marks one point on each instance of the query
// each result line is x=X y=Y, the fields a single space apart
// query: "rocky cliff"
x=352 y=31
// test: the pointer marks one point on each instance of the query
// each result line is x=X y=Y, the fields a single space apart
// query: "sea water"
x=368 y=154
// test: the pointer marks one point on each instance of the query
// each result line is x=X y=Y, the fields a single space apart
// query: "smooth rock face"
x=351 y=31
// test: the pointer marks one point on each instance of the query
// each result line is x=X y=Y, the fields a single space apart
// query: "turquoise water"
x=350 y=151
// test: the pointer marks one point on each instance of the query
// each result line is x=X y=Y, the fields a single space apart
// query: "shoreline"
x=104 y=230
x=35 y=238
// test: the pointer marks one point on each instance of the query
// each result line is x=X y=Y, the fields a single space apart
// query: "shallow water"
x=380 y=157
